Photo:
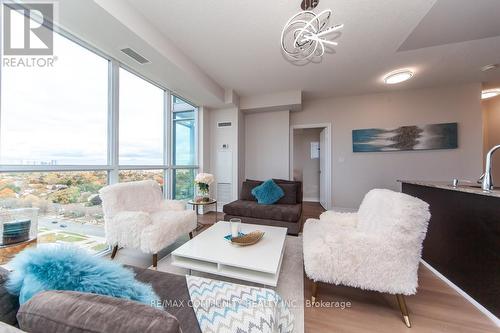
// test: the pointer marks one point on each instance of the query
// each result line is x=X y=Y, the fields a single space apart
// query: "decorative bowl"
x=248 y=239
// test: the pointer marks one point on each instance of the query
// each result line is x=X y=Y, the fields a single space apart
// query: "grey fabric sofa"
x=65 y=311
x=287 y=212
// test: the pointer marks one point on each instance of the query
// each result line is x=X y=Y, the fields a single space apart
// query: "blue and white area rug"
x=225 y=307
x=290 y=284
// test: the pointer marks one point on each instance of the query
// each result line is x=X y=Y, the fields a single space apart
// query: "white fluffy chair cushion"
x=136 y=216
x=386 y=211
x=173 y=205
x=145 y=196
x=382 y=254
x=348 y=220
x=167 y=226
x=125 y=228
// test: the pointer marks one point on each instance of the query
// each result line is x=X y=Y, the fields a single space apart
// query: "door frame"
x=328 y=157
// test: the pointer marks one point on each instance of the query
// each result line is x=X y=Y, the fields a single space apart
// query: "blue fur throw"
x=70 y=268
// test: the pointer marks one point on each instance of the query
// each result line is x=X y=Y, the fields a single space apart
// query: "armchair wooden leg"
x=113 y=253
x=314 y=291
x=404 y=309
x=155 y=260
x=190 y=235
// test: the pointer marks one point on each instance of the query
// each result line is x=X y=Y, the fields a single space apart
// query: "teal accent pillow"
x=268 y=192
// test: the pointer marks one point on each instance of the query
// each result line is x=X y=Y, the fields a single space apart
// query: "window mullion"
x=113 y=122
x=196 y=137
x=167 y=139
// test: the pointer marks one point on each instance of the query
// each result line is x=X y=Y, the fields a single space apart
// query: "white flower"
x=204 y=178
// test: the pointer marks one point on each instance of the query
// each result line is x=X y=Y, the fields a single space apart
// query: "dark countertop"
x=463 y=237
x=462 y=187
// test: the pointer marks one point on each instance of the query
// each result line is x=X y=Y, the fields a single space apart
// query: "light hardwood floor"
x=435 y=308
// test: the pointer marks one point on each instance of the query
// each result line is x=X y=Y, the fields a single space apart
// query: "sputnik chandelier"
x=304 y=35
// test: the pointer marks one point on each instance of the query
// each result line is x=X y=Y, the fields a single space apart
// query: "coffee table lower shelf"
x=265 y=278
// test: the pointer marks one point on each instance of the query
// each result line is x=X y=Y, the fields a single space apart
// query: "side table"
x=196 y=204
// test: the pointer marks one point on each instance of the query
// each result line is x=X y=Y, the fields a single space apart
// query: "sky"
x=60 y=113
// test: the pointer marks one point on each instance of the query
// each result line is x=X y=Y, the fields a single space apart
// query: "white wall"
x=491 y=108
x=305 y=168
x=267 y=142
x=285 y=100
x=354 y=174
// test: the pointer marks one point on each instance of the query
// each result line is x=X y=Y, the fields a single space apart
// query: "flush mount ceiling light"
x=490 y=93
x=398 y=76
x=304 y=35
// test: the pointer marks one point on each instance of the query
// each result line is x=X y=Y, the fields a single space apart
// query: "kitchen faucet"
x=487 y=183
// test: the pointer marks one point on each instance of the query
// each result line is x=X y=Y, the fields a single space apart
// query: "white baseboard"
x=481 y=308
x=310 y=199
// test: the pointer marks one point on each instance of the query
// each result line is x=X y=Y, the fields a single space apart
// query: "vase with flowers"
x=203 y=181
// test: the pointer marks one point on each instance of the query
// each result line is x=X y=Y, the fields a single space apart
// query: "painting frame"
x=406 y=138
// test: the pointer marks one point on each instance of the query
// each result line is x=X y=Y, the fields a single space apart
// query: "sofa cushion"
x=289 y=213
x=297 y=183
x=290 y=197
x=246 y=190
x=268 y=193
x=173 y=291
x=285 y=181
x=9 y=304
x=290 y=190
x=69 y=311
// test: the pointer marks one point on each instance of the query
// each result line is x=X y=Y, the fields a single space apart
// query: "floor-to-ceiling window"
x=142 y=135
x=141 y=121
x=53 y=140
x=70 y=129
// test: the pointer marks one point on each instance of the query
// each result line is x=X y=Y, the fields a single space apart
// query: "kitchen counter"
x=467 y=187
x=463 y=237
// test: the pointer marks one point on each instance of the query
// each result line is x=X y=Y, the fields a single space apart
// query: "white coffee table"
x=209 y=252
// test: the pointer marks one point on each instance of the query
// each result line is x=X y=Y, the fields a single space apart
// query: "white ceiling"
x=237 y=43
x=452 y=21
x=198 y=48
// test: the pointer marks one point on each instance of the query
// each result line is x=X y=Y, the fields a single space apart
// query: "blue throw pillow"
x=71 y=268
x=268 y=192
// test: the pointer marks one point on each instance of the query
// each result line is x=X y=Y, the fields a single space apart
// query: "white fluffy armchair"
x=136 y=216
x=378 y=248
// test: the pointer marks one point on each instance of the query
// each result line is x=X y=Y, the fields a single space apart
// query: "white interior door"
x=322 y=168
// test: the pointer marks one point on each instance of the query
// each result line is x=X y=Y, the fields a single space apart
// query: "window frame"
x=172 y=134
x=173 y=166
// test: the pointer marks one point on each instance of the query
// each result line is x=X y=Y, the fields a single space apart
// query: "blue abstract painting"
x=424 y=137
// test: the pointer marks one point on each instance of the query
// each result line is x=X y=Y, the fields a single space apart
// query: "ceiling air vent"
x=136 y=56
x=225 y=124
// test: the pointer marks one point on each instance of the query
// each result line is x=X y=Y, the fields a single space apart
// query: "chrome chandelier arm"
x=304 y=35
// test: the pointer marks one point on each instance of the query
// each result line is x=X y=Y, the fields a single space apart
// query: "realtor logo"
x=28 y=29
